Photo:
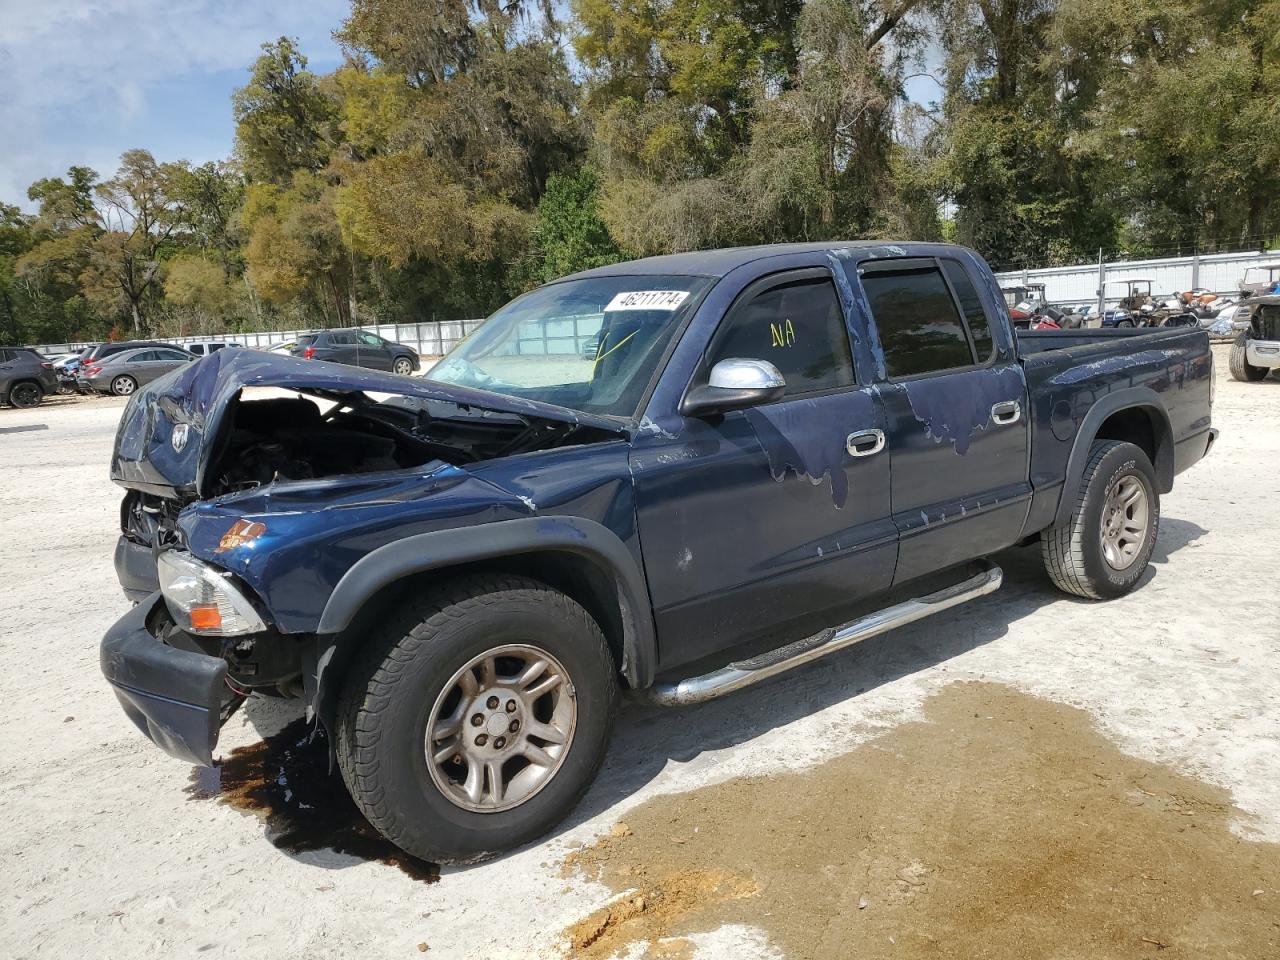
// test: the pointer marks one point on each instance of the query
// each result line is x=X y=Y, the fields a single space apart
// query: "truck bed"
x=1039 y=341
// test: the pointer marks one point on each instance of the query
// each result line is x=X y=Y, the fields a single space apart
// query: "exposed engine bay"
x=292 y=438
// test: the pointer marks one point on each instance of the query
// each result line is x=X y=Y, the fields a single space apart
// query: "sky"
x=81 y=81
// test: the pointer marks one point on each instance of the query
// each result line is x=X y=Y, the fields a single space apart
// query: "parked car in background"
x=357 y=348
x=202 y=348
x=1256 y=351
x=457 y=578
x=100 y=352
x=591 y=346
x=123 y=373
x=25 y=377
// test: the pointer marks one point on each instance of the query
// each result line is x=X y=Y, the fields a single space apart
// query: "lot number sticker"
x=647 y=300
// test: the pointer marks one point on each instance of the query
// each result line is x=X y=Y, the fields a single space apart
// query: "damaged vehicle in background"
x=1256 y=350
x=774 y=453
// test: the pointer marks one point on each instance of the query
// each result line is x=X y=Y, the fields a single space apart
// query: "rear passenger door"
x=955 y=400
x=373 y=351
x=342 y=348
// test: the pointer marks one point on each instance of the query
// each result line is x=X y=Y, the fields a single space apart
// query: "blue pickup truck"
x=771 y=453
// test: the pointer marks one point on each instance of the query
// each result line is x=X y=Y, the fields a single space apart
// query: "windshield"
x=590 y=345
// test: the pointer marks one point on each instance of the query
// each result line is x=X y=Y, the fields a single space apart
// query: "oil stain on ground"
x=285 y=781
x=1001 y=826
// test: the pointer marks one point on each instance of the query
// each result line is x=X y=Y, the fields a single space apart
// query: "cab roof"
x=717 y=263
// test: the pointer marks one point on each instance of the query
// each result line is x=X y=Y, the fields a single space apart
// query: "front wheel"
x=1238 y=363
x=123 y=386
x=476 y=722
x=1103 y=549
x=403 y=366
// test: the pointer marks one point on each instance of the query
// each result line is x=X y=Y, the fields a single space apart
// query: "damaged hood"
x=169 y=430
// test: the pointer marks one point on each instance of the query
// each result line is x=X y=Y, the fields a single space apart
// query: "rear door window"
x=919 y=324
x=797 y=326
x=343 y=339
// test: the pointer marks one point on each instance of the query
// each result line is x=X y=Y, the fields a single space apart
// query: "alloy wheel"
x=25 y=395
x=1125 y=520
x=501 y=728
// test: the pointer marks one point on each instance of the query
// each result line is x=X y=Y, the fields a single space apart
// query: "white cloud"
x=80 y=76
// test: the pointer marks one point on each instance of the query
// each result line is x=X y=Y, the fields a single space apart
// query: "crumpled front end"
x=179 y=698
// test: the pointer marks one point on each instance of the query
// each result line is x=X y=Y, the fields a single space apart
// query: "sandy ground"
x=1143 y=732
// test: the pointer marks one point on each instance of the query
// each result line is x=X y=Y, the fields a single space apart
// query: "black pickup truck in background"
x=770 y=453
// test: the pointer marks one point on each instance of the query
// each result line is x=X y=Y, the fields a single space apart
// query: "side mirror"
x=735 y=384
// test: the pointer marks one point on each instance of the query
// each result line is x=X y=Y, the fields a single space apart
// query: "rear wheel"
x=1238 y=364
x=403 y=366
x=476 y=722
x=1103 y=549
x=124 y=385
x=25 y=394
x=1124 y=323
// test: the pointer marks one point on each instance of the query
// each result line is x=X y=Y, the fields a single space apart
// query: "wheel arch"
x=1135 y=415
x=581 y=558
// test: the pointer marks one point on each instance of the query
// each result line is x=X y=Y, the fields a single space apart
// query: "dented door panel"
x=761 y=521
x=959 y=485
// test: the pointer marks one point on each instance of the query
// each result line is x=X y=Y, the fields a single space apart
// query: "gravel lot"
x=109 y=851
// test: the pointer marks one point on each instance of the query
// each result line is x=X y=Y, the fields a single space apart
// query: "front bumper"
x=1262 y=353
x=175 y=697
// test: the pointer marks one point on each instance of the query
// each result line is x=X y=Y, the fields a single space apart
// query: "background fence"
x=1079 y=285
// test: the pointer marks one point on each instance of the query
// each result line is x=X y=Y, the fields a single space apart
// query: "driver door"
x=773 y=522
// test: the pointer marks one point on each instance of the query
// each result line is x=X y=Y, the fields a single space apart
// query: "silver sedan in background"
x=123 y=373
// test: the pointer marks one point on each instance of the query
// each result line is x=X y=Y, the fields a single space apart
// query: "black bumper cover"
x=136 y=570
x=174 y=696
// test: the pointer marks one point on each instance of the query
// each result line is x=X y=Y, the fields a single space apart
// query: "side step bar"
x=743 y=673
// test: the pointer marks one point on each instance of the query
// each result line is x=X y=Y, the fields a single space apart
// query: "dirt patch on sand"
x=1001 y=826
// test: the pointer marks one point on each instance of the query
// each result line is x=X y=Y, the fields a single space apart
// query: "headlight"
x=203 y=600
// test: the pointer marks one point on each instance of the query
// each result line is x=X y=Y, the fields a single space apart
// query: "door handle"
x=865 y=443
x=1006 y=412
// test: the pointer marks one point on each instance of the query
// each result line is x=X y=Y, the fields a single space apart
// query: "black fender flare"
x=445 y=548
x=1143 y=398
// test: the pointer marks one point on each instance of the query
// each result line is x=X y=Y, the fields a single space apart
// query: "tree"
x=718 y=121
x=569 y=234
x=139 y=211
x=283 y=116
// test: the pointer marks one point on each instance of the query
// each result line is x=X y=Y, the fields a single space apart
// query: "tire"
x=404 y=682
x=402 y=366
x=1124 y=323
x=25 y=394
x=1239 y=366
x=1076 y=554
x=124 y=385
